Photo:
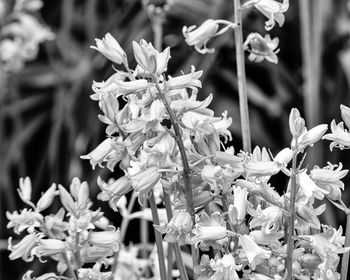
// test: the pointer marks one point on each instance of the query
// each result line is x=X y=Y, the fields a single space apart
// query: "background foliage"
x=47 y=119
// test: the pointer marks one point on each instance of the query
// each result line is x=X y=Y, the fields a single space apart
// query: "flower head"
x=254 y=253
x=261 y=48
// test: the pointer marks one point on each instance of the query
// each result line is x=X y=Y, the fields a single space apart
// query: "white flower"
x=100 y=153
x=149 y=58
x=340 y=136
x=199 y=37
x=47 y=198
x=261 y=48
x=254 y=253
x=111 y=49
x=25 y=190
x=272 y=9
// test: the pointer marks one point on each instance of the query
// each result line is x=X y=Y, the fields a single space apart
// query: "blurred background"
x=47 y=119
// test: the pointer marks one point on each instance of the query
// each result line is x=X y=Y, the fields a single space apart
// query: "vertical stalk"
x=186 y=166
x=345 y=259
x=291 y=220
x=157 y=26
x=159 y=240
x=241 y=78
x=176 y=247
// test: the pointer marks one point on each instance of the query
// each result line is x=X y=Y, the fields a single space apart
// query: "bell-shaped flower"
x=328 y=178
x=149 y=58
x=47 y=198
x=200 y=200
x=340 y=136
x=254 y=253
x=308 y=188
x=271 y=9
x=238 y=210
x=27 y=219
x=100 y=153
x=296 y=123
x=310 y=137
x=261 y=48
x=211 y=228
x=25 y=190
x=199 y=37
x=105 y=239
x=49 y=247
x=267 y=218
x=110 y=48
x=113 y=190
x=185 y=81
x=23 y=249
x=307 y=216
x=119 y=87
x=178 y=229
x=260 y=168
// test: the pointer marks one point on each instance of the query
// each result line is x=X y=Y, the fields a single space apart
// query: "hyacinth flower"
x=271 y=9
x=199 y=37
x=261 y=48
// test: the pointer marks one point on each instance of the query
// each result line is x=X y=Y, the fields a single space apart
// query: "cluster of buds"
x=21 y=33
x=73 y=237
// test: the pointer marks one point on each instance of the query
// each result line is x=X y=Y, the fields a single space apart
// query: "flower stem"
x=291 y=220
x=176 y=247
x=186 y=166
x=345 y=259
x=242 y=84
x=159 y=240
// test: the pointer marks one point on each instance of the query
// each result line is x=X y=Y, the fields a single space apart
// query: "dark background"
x=48 y=120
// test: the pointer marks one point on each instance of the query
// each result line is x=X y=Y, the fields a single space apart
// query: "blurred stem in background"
x=311 y=28
x=241 y=77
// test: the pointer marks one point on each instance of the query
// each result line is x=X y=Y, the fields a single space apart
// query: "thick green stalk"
x=159 y=240
x=345 y=259
x=291 y=220
x=241 y=78
x=176 y=247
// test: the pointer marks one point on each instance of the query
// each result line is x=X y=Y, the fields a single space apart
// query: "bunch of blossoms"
x=21 y=33
x=75 y=237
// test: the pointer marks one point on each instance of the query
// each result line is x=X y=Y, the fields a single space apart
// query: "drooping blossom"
x=261 y=48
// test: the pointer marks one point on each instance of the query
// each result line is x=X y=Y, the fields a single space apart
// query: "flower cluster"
x=74 y=236
x=22 y=34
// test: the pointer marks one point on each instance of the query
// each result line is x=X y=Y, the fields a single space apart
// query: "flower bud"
x=238 y=210
x=25 y=189
x=296 y=123
x=110 y=48
x=284 y=156
x=66 y=200
x=312 y=136
x=46 y=199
